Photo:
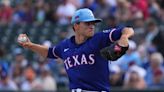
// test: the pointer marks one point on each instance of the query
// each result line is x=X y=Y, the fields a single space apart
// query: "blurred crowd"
x=140 y=68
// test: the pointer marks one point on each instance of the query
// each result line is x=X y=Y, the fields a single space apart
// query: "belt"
x=81 y=90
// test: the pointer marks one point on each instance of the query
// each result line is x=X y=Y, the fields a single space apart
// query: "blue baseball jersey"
x=84 y=65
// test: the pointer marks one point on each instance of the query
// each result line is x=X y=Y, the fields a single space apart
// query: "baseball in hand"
x=22 y=39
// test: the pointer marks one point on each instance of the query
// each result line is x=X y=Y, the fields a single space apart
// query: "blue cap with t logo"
x=84 y=15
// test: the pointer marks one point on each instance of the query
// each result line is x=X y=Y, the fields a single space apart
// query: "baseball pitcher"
x=86 y=54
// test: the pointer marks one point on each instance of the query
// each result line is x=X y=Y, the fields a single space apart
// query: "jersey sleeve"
x=109 y=36
x=54 y=52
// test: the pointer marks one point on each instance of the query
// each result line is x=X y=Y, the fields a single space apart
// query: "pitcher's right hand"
x=26 y=43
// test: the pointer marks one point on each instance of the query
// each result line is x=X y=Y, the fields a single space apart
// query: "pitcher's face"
x=86 y=28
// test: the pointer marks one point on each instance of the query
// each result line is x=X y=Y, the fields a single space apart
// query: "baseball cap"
x=84 y=15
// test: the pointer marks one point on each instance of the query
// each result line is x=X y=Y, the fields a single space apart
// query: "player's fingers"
x=27 y=44
x=21 y=35
x=18 y=39
x=26 y=37
x=20 y=43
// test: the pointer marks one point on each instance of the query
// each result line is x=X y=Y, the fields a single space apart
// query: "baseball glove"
x=113 y=52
